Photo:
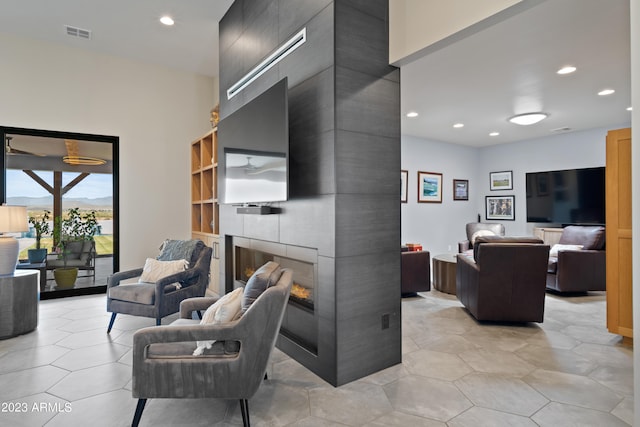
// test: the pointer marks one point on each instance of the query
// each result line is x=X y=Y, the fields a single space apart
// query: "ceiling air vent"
x=78 y=32
x=563 y=129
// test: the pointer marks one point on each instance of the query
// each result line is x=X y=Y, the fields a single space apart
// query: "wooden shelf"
x=204 y=199
x=204 y=194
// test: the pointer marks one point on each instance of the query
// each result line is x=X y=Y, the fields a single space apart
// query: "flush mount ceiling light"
x=458 y=125
x=494 y=134
x=630 y=109
x=606 y=92
x=412 y=114
x=566 y=70
x=528 y=118
x=167 y=20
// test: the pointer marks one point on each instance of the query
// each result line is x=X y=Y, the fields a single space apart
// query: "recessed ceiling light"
x=528 y=118
x=606 y=92
x=494 y=134
x=167 y=20
x=630 y=109
x=566 y=70
x=412 y=114
x=458 y=125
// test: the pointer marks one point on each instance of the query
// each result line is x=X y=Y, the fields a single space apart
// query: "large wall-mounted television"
x=253 y=154
x=574 y=196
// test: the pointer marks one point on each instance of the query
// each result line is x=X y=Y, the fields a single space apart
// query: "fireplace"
x=299 y=324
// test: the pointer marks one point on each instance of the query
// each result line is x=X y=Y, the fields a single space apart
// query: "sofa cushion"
x=155 y=270
x=224 y=310
x=590 y=237
x=141 y=293
x=558 y=247
x=264 y=277
x=502 y=239
x=481 y=233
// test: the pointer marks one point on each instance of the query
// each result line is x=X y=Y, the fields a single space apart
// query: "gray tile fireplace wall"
x=344 y=193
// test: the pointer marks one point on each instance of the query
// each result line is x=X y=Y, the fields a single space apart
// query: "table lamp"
x=13 y=219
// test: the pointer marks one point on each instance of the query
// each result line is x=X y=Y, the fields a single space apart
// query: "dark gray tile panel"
x=377 y=8
x=294 y=13
x=312 y=165
x=311 y=105
x=367 y=224
x=230 y=27
x=309 y=223
x=316 y=54
x=367 y=163
x=367 y=104
x=362 y=42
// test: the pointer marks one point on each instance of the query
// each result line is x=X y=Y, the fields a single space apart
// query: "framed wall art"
x=500 y=207
x=502 y=180
x=404 y=190
x=429 y=187
x=460 y=189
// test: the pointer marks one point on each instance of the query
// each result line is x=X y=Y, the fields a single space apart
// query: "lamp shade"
x=13 y=219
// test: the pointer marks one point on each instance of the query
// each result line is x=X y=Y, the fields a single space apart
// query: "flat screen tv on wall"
x=254 y=157
x=575 y=196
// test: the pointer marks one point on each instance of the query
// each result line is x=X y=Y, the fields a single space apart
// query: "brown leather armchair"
x=479 y=228
x=506 y=281
x=416 y=272
x=579 y=270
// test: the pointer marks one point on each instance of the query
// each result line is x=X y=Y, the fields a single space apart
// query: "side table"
x=444 y=273
x=41 y=267
x=18 y=303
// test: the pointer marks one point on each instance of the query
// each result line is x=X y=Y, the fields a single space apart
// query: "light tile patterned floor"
x=456 y=372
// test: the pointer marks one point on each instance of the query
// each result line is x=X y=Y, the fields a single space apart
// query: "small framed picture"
x=500 y=207
x=404 y=191
x=502 y=180
x=429 y=187
x=460 y=189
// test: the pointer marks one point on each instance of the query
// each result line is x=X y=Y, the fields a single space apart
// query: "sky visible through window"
x=94 y=186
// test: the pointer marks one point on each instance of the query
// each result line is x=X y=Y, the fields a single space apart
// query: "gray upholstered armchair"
x=477 y=229
x=163 y=297
x=164 y=365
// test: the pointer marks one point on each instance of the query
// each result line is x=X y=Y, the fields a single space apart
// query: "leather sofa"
x=477 y=229
x=578 y=270
x=415 y=272
x=504 y=280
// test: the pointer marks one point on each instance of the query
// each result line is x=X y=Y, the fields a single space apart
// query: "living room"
x=162 y=115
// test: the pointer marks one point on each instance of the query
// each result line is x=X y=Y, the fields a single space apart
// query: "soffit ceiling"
x=480 y=80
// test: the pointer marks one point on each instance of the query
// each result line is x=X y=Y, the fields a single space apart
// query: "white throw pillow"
x=224 y=310
x=557 y=248
x=155 y=270
x=479 y=233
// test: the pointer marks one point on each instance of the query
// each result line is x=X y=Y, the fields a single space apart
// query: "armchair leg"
x=113 y=319
x=244 y=408
x=138 y=414
x=199 y=314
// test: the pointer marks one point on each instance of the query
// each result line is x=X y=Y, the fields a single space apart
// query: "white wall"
x=438 y=227
x=562 y=151
x=417 y=24
x=156 y=112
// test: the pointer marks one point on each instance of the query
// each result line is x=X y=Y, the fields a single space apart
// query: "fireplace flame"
x=300 y=291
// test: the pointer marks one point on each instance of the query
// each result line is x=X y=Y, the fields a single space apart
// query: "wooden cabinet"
x=618 y=223
x=204 y=197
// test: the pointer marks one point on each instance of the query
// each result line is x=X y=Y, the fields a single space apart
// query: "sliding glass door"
x=68 y=182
